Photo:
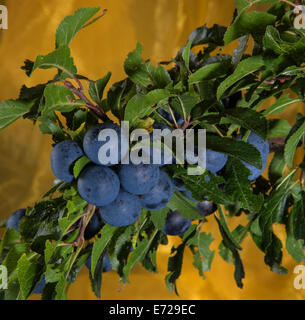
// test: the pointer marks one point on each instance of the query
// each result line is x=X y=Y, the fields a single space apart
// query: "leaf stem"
x=79 y=92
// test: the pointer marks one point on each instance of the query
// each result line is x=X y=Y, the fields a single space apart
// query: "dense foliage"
x=45 y=247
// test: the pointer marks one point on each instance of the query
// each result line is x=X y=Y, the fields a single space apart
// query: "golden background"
x=162 y=27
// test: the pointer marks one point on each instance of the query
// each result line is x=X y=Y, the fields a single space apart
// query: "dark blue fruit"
x=98 y=185
x=125 y=210
x=215 y=161
x=263 y=147
x=159 y=195
x=62 y=157
x=106 y=263
x=92 y=146
x=206 y=207
x=14 y=220
x=40 y=285
x=175 y=224
x=231 y=101
x=139 y=179
x=93 y=227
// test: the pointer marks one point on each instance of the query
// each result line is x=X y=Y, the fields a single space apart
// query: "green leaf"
x=238 y=234
x=175 y=262
x=273 y=211
x=119 y=248
x=240 y=187
x=281 y=104
x=200 y=188
x=27 y=275
x=278 y=128
x=70 y=25
x=244 y=68
x=231 y=243
x=295 y=239
x=249 y=119
x=139 y=253
x=96 y=88
x=56 y=99
x=292 y=142
x=254 y=22
x=203 y=257
x=210 y=71
x=236 y=149
x=186 y=54
x=276 y=167
x=100 y=245
x=12 y=110
x=136 y=68
x=272 y=41
x=59 y=59
x=96 y=280
x=160 y=77
x=212 y=36
x=141 y=106
x=184 y=206
x=185 y=103
x=80 y=165
x=158 y=218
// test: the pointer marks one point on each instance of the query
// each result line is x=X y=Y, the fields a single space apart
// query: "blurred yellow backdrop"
x=162 y=27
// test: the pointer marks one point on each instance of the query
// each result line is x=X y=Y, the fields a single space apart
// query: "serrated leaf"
x=295 y=239
x=278 y=128
x=272 y=41
x=70 y=25
x=281 y=104
x=159 y=217
x=236 y=149
x=276 y=167
x=96 y=280
x=254 y=22
x=100 y=245
x=136 y=68
x=184 y=206
x=186 y=54
x=211 y=36
x=141 y=106
x=138 y=253
x=80 y=165
x=96 y=88
x=244 y=68
x=160 y=77
x=59 y=59
x=230 y=243
x=56 y=99
x=240 y=187
x=210 y=71
x=119 y=248
x=292 y=142
x=239 y=233
x=223 y=222
x=248 y=119
x=27 y=275
x=185 y=103
x=203 y=256
x=12 y=110
x=200 y=189
x=175 y=262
